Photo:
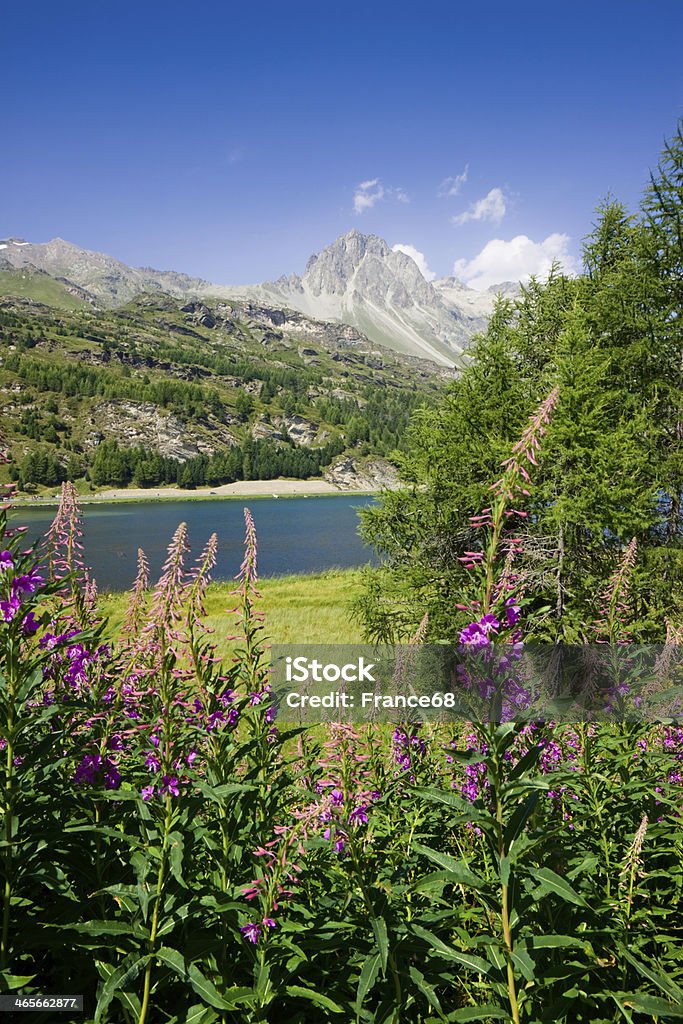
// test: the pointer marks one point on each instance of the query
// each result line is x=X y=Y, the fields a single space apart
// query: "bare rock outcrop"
x=355 y=474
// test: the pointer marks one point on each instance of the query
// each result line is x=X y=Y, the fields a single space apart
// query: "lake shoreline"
x=301 y=535
x=239 y=490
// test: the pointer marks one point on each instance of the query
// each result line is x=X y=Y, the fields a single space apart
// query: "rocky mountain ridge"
x=358 y=281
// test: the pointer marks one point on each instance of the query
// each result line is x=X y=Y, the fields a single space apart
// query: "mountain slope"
x=357 y=280
x=112 y=282
x=163 y=391
x=360 y=280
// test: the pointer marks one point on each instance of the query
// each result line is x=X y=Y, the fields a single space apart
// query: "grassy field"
x=39 y=287
x=298 y=609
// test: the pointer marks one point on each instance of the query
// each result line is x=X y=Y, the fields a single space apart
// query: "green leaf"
x=458 y=871
x=426 y=989
x=8 y=982
x=96 y=928
x=458 y=803
x=210 y=994
x=663 y=984
x=173 y=959
x=379 y=927
x=473 y=963
x=486 y=1012
x=115 y=985
x=518 y=820
x=128 y=1000
x=553 y=942
x=650 y=1004
x=524 y=963
x=175 y=856
x=199 y=1014
x=368 y=977
x=526 y=762
x=550 y=882
x=315 y=997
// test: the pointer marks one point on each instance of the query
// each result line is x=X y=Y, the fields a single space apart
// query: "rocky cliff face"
x=143 y=424
x=354 y=474
x=359 y=280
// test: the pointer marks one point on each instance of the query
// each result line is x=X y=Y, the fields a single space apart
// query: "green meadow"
x=314 y=608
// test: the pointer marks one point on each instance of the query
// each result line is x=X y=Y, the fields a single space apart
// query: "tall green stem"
x=147 y=988
x=505 y=908
x=8 y=811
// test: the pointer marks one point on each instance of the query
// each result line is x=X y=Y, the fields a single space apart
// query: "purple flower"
x=88 y=769
x=112 y=776
x=251 y=931
x=152 y=762
x=147 y=792
x=170 y=786
x=358 y=815
x=8 y=609
x=268 y=922
x=27 y=584
x=512 y=611
x=30 y=625
x=6 y=561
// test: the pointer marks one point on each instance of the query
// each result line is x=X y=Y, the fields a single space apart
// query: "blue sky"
x=232 y=142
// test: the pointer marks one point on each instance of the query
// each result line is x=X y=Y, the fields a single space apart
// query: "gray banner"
x=441 y=682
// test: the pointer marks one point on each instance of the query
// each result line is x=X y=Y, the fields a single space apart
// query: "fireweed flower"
x=152 y=762
x=94 y=769
x=512 y=611
x=251 y=931
x=8 y=609
x=477 y=634
x=358 y=815
x=28 y=583
x=112 y=776
x=30 y=625
x=169 y=786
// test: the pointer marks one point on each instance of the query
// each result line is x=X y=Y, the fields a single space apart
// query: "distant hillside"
x=35 y=284
x=358 y=280
x=166 y=391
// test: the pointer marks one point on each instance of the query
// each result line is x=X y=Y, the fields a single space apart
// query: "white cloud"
x=515 y=260
x=367 y=194
x=418 y=257
x=452 y=186
x=371 y=191
x=492 y=207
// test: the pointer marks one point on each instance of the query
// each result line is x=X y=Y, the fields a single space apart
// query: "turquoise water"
x=295 y=535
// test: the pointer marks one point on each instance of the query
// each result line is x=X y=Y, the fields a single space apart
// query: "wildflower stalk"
x=9 y=817
x=494 y=588
x=154 y=928
x=632 y=865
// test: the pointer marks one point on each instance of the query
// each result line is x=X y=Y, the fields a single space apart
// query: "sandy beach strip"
x=240 y=489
